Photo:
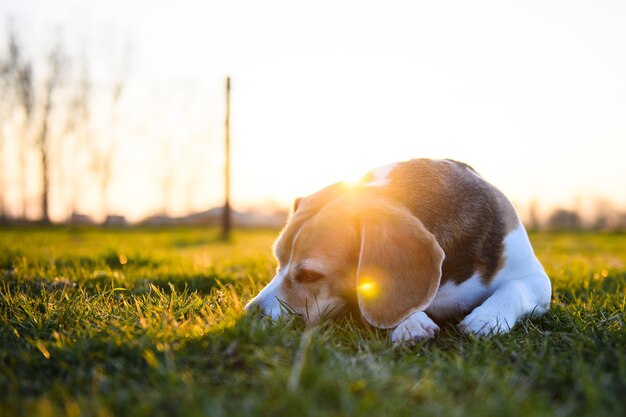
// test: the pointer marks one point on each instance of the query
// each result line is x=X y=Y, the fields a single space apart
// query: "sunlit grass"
x=149 y=322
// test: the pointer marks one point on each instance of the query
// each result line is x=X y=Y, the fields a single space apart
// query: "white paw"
x=418 y=326
x=484 y=322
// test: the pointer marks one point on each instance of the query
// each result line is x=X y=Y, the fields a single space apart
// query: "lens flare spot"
x=368 y=289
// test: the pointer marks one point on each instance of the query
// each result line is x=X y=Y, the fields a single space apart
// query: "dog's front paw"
x=418 y=326
x=484 y=322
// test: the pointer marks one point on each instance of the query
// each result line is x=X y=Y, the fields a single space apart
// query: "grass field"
x=148 y=323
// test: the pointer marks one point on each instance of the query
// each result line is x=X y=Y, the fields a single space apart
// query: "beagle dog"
x=414 y=243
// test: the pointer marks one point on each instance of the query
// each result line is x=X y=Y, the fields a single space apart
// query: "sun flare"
x=368 y=289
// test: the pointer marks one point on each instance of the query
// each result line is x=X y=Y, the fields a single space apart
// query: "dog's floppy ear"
x=399 y=265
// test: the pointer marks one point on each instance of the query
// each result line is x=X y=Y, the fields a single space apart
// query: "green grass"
x=149 y=323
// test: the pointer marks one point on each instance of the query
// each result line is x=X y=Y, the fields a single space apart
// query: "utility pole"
x=226 y=214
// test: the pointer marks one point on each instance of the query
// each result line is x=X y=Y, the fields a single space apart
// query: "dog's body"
x=415 y=240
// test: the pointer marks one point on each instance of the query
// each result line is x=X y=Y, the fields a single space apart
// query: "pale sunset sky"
x=530 y=93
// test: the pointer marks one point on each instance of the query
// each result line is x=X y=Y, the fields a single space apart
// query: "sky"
x=531 y=94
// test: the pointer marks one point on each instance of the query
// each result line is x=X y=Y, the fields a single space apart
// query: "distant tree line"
x=46 y=110
x=604 y=217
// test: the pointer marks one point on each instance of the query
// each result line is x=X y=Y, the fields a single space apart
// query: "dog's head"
x=351 y=246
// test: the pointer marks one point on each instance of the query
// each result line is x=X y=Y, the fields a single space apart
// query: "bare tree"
x=103 y=158
x=51 y=84
x=78 y=126
x=25 y=95
x=18 y=76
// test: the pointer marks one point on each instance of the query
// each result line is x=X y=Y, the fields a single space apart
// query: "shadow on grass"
x=200 y=283
x=199 y=241
x=110 y=361
x=111 y=258
x=8 y=257
x=94 y=280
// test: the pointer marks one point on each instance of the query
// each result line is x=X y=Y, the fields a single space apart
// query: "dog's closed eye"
x=308 y=275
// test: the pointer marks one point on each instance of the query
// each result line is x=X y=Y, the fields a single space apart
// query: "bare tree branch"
x=104 y=158
x=52 y=83
x=77 y=127
x=18 y=74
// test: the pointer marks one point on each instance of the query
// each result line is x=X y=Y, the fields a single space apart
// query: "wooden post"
x=226 y=214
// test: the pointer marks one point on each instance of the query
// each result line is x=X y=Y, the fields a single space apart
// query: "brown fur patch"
x=468 y=216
